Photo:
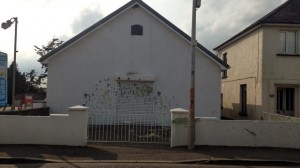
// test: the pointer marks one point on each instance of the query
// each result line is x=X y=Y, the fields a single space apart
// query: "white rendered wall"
x=279 y=71
x=247 y=133
x=86 y=65
x=56 y=129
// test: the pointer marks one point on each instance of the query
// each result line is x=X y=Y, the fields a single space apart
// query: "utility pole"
x=196 y=4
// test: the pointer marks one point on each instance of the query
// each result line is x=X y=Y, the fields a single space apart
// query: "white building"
x=132 y=61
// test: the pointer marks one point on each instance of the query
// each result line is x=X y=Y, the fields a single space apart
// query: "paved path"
x=126 y=165
x=122 y=153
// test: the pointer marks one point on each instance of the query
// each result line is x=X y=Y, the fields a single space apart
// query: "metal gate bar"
x=135 y=128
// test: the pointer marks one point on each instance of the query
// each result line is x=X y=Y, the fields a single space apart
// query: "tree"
x=34 y=79
x=21 y=84
x=34 y=82
x=25 y=83
x=42 y=51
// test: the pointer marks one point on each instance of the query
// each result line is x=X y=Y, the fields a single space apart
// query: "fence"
x=135 y=128
x=214 y=132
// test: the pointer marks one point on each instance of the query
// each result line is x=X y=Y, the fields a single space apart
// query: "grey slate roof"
x=75 y=38
x=287 y=13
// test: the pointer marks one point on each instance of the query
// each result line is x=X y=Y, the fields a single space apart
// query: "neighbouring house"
x=265 y=66
x=134 y=61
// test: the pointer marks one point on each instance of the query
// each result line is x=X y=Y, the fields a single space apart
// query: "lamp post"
x=196 y=4
x=6 y=25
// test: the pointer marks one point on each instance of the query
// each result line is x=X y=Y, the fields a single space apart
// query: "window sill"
x=224 y=77
x=292 y=55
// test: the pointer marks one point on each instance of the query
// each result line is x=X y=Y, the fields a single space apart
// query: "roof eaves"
x=213 y=56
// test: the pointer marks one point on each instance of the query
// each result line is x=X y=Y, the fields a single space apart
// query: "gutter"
x=215 y=161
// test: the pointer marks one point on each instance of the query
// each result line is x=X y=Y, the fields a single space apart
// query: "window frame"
x=243 y=100
x=224 y=72
x=286 y=50
x=137 y=30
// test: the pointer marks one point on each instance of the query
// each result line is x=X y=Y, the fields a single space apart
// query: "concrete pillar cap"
x=78 y=108
x=179 y=110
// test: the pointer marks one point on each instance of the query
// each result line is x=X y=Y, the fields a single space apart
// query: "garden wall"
x=57 y=129
x=246 y=133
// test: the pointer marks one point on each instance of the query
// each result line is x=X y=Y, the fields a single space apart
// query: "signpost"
x=3 y=79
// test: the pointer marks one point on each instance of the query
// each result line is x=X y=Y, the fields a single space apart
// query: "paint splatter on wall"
x=130 y=97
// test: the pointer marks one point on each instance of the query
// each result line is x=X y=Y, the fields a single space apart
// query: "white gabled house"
x=134 y=61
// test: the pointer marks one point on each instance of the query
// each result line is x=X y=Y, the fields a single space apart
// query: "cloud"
x=85 y=19
x=219 y=20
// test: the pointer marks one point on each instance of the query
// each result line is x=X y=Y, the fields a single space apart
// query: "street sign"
x=3 y=79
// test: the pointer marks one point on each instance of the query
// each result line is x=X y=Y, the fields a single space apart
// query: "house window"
x=288 y=42
x=137 y=30
x=224 y=73
x=243 y=100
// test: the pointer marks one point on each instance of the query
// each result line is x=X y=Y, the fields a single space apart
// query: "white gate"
x=136 y=116
x=136 y=128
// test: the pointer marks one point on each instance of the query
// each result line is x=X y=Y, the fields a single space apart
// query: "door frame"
x=243 y=100
x=296 y=98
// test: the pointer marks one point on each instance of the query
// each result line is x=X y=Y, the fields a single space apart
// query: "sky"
x=41 y=20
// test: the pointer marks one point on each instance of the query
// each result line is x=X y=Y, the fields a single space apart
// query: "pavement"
x=147 y=153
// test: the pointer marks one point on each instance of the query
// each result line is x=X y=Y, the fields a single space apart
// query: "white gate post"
x=79 y=115
x=179 y=127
